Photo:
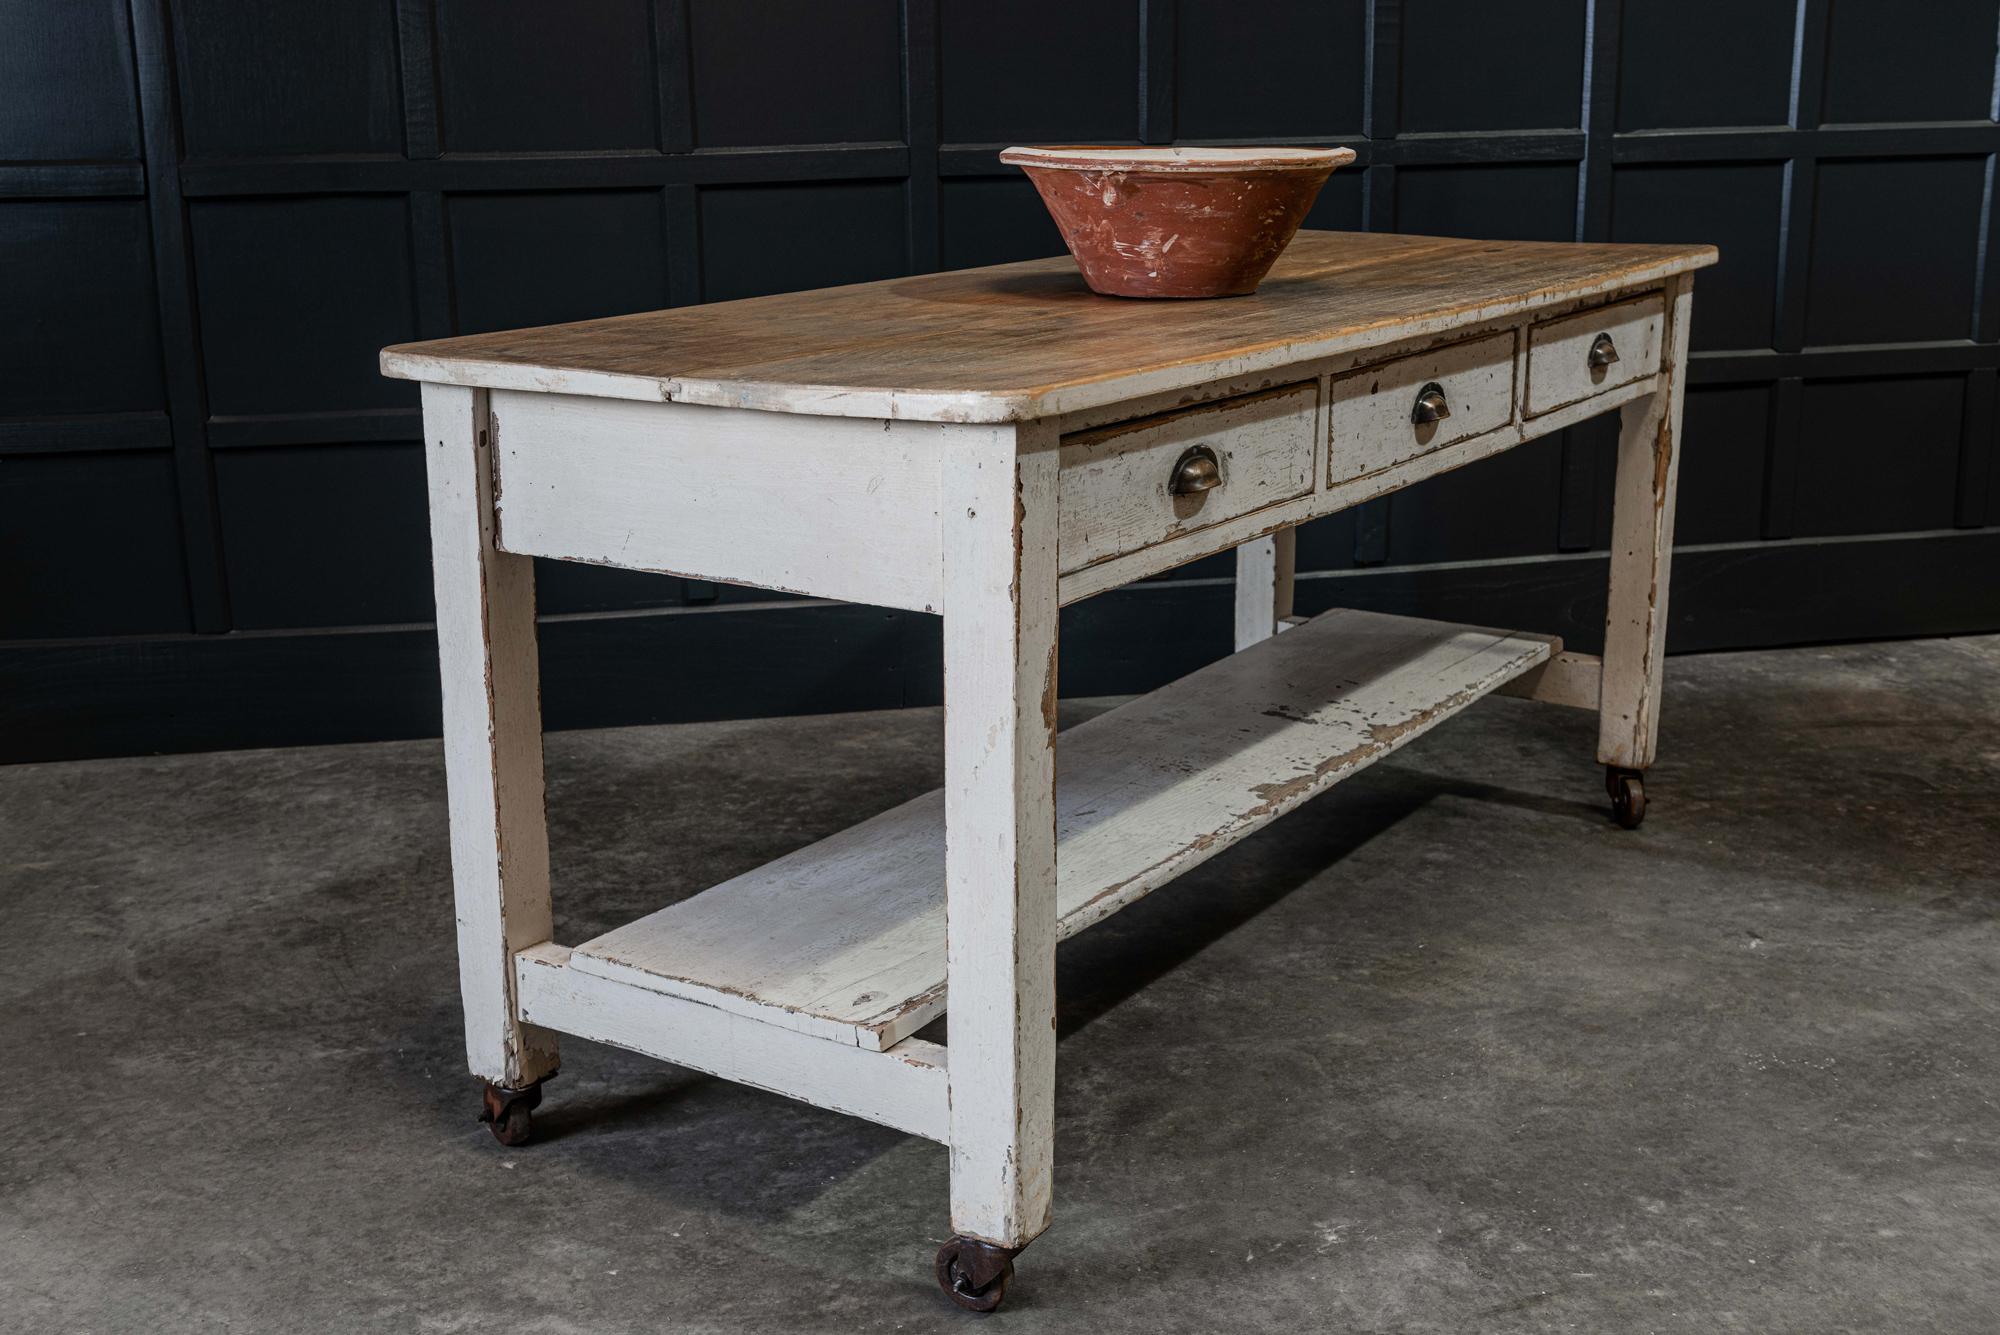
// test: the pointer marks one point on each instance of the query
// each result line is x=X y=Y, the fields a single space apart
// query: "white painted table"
x=991 y=445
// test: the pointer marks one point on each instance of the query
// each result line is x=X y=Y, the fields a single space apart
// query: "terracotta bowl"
x=1177 y=222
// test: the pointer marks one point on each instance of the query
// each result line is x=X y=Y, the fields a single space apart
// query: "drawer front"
x=1133 y=485
x=1373 y=415
x=1573 y=358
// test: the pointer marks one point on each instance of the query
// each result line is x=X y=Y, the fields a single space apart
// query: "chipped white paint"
x=809 y=976
x=1264 y=580
x=1121 y=570
x=1559 y=369
x=1566 y=679
x=1115 y=493
x=999 y=827
x=903 y=1087
x=1642 y=540
x=846 y=938
x=838 y=508
x=1369 y=426
x=492 y=740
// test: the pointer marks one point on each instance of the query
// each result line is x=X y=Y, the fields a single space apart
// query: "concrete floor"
x=1445 y=1051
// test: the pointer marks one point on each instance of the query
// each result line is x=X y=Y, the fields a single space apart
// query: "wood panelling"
x=66 y=66
x=293 y=293
x=62 y=514
x=839 y=66
x=758 y=239
x=1535 y=202
x=564 y=586
x=528 y=76
x=1474 y=65
x=1893 y=244
x=195 y=692
x=555 y=256
x=213 y=214
x=1882 y=455
x=1039 y=71
x=1339 y=205
x=1453 y=517
x=325 y=535
x=1889 y=60
x=1704 y=63
x=994 y=221
x=1739 y=207
x=287 y=77
x=1723 y=463
x=79 y=331
x=1234 y=82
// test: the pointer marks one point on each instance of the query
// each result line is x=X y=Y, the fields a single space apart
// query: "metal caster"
x=1628 y=795
x=974 y=1274
x=509 y=1113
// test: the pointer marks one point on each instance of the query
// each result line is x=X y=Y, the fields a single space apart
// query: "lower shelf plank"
x=846 y=939
x=903 y=1087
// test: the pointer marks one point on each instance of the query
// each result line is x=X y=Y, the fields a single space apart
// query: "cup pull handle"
x=1431 y=406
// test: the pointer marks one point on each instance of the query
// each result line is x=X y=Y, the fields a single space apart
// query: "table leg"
x=1264 y=585
x=493 y=755
x=1000 y=605
x=1642 y=537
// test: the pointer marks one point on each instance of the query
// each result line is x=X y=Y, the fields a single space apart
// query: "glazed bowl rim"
x=1165 y=158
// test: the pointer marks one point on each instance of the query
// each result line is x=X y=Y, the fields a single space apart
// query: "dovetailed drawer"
x=1136 y=484
x=1460 y=391
x=1580 y=355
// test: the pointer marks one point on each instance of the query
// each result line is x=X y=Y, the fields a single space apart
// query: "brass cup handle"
x=1603 y=352
x=1430 y=406
x=1196 y=472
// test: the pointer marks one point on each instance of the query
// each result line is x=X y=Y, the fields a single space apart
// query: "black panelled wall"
x=213 y=213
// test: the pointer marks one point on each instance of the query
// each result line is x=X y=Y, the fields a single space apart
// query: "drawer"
x=1129 y=486
x=1373 y=414
x=1578 y=356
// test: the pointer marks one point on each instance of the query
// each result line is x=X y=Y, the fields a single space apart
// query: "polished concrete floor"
x=1444 y=1051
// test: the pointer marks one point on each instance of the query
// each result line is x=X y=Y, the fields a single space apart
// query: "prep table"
x=990 y=445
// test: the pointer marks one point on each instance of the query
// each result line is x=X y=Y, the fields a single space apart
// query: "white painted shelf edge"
x=903 y=1087
x=845 y=939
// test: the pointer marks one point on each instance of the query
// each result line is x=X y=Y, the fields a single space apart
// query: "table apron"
x=829 y=507
x=848 y=508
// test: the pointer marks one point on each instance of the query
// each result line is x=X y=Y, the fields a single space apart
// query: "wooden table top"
x=1014 y=342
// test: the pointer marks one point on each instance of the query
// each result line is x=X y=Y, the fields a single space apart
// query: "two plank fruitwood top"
x=1015 y=342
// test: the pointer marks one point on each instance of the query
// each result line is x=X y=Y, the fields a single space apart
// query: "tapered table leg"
x=493 y=755
x=1642 y=539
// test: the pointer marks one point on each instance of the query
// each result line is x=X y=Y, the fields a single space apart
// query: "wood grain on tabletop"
x=1005 y=342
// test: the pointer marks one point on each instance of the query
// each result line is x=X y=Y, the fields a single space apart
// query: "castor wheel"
x=1628 y=795
x=510 y=1113
x=974 y=1274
